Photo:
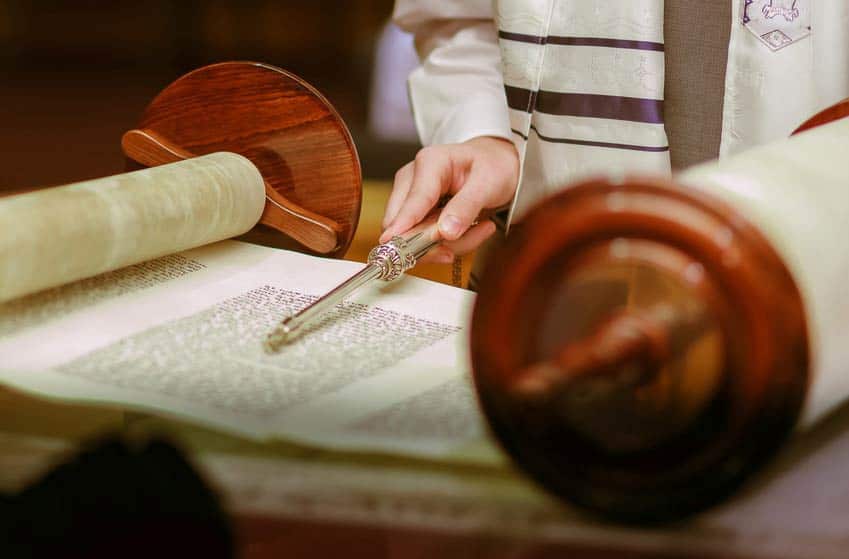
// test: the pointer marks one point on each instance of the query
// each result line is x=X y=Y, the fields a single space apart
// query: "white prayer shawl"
x=578 y=84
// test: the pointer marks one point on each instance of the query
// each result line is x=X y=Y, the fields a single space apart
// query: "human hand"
x=481 y=173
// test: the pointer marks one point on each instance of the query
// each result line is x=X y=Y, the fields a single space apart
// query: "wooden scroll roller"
x=655 y=341
x=243 y=146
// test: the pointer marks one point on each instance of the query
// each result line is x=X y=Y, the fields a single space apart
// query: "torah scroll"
x=683 y=328
x=797 y=192
x=59 y=235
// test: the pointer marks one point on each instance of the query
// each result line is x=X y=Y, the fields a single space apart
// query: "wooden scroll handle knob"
x=646 y=352
x=627 y=349
x=314 y=231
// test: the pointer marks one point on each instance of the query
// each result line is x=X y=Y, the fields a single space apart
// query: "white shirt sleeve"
x=458 y=92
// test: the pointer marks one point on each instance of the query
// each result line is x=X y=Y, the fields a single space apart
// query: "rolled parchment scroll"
x=59 y=235
x=796 y=191
x=656 y=341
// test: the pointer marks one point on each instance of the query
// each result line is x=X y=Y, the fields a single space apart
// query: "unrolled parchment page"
x=182 y=335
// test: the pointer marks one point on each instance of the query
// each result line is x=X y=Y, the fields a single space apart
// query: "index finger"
x=432 y=176
x=400 y=189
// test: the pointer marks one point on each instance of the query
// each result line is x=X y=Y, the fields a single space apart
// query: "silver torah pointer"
x=386 y=262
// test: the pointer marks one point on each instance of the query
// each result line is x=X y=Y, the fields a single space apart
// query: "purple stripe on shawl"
x=582 y=41
x=613 y=107
x=611 y=145
x=520 y=99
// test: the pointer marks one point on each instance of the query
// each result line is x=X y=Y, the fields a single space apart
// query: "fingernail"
x=387 y=233
x=449 y=226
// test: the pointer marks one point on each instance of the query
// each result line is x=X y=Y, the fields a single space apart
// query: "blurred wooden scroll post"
x=682 y=328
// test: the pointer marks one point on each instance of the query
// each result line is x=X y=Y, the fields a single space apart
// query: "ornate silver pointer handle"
x=386 y=262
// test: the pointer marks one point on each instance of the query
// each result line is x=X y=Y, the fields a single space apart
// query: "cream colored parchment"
x=181 y=337
x=58 y=235
x=796 y=191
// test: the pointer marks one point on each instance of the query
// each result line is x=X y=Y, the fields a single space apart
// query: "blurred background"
x=74 y=75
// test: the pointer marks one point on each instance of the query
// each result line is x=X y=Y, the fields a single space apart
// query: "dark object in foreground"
x=117 y=501
x=649 y=348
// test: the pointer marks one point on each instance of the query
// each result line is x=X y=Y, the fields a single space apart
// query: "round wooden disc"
x=571 y=266
x=282 y=124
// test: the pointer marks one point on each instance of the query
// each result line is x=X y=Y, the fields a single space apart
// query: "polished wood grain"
x=755 y=304
x=313 y=231
x=283 y=125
